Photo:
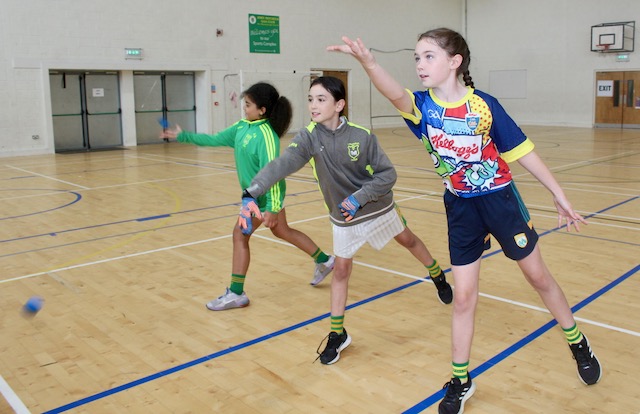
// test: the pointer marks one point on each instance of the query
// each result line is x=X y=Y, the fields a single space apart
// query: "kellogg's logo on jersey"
x=472 y=120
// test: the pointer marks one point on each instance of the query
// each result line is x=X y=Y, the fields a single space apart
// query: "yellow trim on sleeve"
x=518 y=152
x=416 y=116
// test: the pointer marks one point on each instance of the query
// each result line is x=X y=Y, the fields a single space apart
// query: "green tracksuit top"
x=254 y=144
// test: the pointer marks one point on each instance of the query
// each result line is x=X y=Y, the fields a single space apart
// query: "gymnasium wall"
x=546 y=41
x=550 y=40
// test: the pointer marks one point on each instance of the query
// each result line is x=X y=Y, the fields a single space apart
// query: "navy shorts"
x=501 y=214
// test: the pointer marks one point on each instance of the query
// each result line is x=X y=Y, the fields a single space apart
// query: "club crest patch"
x=521 y=240
x=472 y=120
x=354 y=150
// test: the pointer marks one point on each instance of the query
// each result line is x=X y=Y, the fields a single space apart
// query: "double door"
x=86 y=110
x=618 y=99
x=163 y=95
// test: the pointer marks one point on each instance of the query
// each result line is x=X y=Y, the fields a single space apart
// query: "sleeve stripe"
x=415 y=119
x=518 y=152
x=271 y=140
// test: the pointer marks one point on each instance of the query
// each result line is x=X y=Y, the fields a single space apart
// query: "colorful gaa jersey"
x=470 y=141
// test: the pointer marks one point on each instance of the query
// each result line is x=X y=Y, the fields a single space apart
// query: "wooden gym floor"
x=127 y=246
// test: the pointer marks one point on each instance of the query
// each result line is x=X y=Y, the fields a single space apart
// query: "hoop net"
x=603 y=48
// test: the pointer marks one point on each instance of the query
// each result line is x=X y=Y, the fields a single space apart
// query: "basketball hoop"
x=603 y=48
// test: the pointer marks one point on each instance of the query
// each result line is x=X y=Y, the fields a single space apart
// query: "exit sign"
x=133 y=53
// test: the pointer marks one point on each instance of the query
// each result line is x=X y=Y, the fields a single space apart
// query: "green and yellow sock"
x=460 y=371
x=337 y=323
x=573 y=334
x=237 y=283
x=319 y=256
x=434 y=269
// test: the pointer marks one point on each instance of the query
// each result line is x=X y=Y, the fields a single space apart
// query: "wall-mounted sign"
x=605 y=88
x=264 y=34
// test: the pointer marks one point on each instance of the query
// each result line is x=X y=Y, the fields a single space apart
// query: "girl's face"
x=251 y=110
x=433 y=64
x=323 y=107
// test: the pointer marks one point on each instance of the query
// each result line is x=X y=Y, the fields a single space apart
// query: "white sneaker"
x=229 y=300
x=322 y=270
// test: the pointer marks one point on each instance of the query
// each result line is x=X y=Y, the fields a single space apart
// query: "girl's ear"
x=262 y=111
x=456 y=61
x=340 y=105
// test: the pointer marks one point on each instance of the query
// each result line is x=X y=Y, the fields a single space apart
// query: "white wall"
x=38 y=35
x=549 y=39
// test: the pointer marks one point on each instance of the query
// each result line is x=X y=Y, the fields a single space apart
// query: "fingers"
x=572 y=221
x=253 y=209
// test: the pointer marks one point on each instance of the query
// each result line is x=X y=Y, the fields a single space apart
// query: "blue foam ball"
x=34 y=304
x=164 y=123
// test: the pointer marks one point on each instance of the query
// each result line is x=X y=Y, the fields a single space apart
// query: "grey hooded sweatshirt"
x=346 y=161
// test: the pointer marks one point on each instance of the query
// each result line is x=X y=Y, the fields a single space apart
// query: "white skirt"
x=377 y=232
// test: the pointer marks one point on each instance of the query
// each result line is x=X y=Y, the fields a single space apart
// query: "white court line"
x=47 y=177
x=497 y=298
x=20 y=408
x=14 y=401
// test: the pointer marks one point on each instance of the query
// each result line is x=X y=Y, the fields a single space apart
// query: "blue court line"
x=78 y=197
x=54 y=233
x=485 y=366
x=160 y=216
x=439 y=394
x=218 y=354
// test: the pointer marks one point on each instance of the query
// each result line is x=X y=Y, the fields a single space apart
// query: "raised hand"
x=356 y=49
x=349 y=207
x=171 y=132
x=248 y=210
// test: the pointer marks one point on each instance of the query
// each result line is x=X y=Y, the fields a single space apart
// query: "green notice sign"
x=264 y=34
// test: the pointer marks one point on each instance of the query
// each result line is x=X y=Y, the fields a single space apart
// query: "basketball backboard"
x=613 y=37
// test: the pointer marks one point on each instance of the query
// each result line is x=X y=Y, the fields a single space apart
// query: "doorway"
x=163 y=95
x=617 y=99
x=86 y=110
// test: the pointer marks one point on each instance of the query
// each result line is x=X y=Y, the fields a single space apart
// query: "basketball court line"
x=415 y=409
x=475 y=372
x=485 y=366
x=257 y=340
x=12 y=398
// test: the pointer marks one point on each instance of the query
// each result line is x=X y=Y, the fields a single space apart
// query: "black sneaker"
x=445 y=293
x=457 y=394
x=589 y=370
x=335 y=344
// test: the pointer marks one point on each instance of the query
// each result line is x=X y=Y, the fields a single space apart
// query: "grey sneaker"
x=322 y=270
x=229 y=300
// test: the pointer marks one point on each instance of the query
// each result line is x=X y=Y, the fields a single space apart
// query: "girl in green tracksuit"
x=255 y=140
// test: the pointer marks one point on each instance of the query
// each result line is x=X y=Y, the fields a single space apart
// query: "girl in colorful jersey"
x=356 y=179
x=470 y=139
x=255 y=140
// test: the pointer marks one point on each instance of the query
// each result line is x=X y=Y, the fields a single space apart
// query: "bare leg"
x=466 y=279
x=241 y=251
x=293 y=236
x=539 y=276
x=418 y=249
x=340 y=285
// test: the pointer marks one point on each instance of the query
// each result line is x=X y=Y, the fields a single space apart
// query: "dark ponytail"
x=278 y=109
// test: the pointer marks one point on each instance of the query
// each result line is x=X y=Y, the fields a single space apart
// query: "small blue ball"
x=34 y=304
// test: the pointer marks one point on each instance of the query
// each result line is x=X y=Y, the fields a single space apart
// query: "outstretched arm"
x=381 y=79
x=532 y=163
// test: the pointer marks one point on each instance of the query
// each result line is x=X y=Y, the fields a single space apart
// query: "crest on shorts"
x=354 y=150
x=472 y=121
x=521 y=240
